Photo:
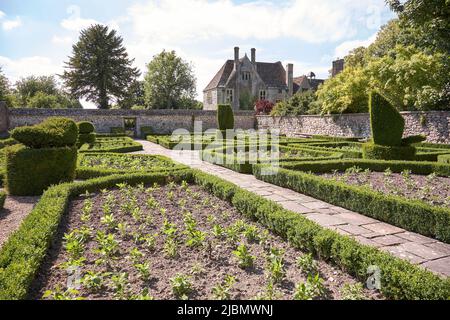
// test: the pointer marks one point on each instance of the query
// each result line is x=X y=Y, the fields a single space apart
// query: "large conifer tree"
x=99 y=68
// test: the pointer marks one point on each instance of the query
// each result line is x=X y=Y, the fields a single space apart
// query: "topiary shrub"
x=225 y=117
x=86 y=138
x=30 y=171
x=375 y=151
x=53 y=132
x=387 y=125
x=386 y=122
x=2 y=199
x=85 y=127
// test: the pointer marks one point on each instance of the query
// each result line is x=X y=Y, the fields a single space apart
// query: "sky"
x=36 y=36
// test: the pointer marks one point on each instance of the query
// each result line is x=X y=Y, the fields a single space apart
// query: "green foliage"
x=335 y=138
x=414 y=216
x=88 y=138
x=53 y=132
x=30 y=171
x=85 y=127
x=111 y=144
x=413 y=140
x=245 y=259
x=169 y=83
x=225 y=117
x=146 y=131
x=386 y=122
x=345 y=93
x=99 y=68
x=181 y=286
x=444 y=158
x=2 y=199
x=299 y=103
x=379 y=152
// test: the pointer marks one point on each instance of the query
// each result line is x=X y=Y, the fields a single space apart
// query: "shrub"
x=2 y=199
x=146 y=131
x=7 y=142
x=335 y=138
x=445 y=158
x=225 y=117
x=53 y=132
x=117 y=130
x=85 y=127
x=30 y=171
x=83 y=138
x=413 y=139
x=263 y=107
x=386 y=122
x=374 y=151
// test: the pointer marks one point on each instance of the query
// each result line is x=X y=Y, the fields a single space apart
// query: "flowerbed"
x=22 y=255
x=91 y=165
x=112 y=144
x=175 y=242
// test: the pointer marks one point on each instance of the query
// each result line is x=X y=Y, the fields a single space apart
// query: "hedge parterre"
x=23 y=253
x=415 y=216
x=112 y=144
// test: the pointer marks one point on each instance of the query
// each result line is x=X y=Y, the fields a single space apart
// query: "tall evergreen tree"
x=99 y=69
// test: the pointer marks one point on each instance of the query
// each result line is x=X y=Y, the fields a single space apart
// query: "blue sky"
x=36 y=35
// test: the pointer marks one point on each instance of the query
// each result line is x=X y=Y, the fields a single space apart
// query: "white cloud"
x=11 y=24
x=75 y=22
x=2 y=14
x=62 y=40
x=344 y=48
x=194 y=20
x=23 y=67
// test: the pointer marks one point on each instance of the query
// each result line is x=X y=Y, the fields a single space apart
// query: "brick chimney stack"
x=253 y=56
x=290 y=79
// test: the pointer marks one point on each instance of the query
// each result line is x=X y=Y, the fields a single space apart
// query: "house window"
x=229 y=95
x=246 y=76
x=262 y=95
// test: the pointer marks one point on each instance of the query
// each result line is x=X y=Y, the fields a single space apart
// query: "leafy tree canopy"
x=169 y=82
x=99 y=68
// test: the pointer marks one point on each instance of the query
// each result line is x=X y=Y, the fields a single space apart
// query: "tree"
x=134 y=98
x=99 y=68
x=169 y=82
x=42 y=92
x=299 y=103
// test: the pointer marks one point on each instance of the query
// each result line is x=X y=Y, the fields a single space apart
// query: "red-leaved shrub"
x=263 y=107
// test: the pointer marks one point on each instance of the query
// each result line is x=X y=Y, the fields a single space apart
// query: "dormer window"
x=245 y=76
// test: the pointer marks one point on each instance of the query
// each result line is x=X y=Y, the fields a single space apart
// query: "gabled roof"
x=221 y=76
x=272 y=74
x=306 y=83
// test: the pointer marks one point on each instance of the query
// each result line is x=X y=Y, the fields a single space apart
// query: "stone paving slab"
x=426 y=252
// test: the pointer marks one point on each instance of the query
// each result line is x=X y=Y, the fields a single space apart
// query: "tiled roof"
x=272 y=74
x=304 y=82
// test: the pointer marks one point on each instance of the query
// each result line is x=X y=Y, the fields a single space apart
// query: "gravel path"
x=12 y=215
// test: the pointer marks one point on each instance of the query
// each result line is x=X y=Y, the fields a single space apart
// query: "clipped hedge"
x=23 y=253
x=88 y=138
x=335 y=138
x=51 y=133
x=225 y=117
x=112 y=144
x=85 y=127
x=410 y=215
x=445 y=158
x=382 y=152
x=7 y=142
x=2 y=199
x=88 y=172
x=31 y=171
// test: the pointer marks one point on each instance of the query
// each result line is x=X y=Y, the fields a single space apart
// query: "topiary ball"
x=85 y=127
x=53 y=132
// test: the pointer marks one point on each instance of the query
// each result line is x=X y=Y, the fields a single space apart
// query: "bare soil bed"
x=431 y=189
x=178 y=242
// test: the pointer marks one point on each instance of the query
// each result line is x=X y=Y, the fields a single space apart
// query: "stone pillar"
x=4 y=118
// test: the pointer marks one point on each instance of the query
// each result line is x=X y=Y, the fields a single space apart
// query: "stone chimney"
x=338 y=67
x=253 y=56
x=236 y=57
x=290 y=79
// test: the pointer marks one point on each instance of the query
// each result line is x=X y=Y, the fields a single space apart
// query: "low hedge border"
x=331 y=146
x=415 y=216
x=23 y=253
x=445 y=158
x=432 y=145
x=129 y=146
x=335 y=138
x=2 y=199
x=94 y=172
x=7 y=142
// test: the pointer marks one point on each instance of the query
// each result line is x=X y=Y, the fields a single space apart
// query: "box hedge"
x=51 y=133
x=85 y=127
x=334 y=138
x=88 y=138
x=2 y=199
x=445 y=158
x=416 y=216
x=383 y=152
x=22 y=255
x=30 y=171
x=225 y=117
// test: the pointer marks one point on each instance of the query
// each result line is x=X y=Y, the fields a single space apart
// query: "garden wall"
x=434 y=124
x=162 y=121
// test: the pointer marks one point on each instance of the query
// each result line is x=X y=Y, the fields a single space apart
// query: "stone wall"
x=434 y=124
x=162 y=121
